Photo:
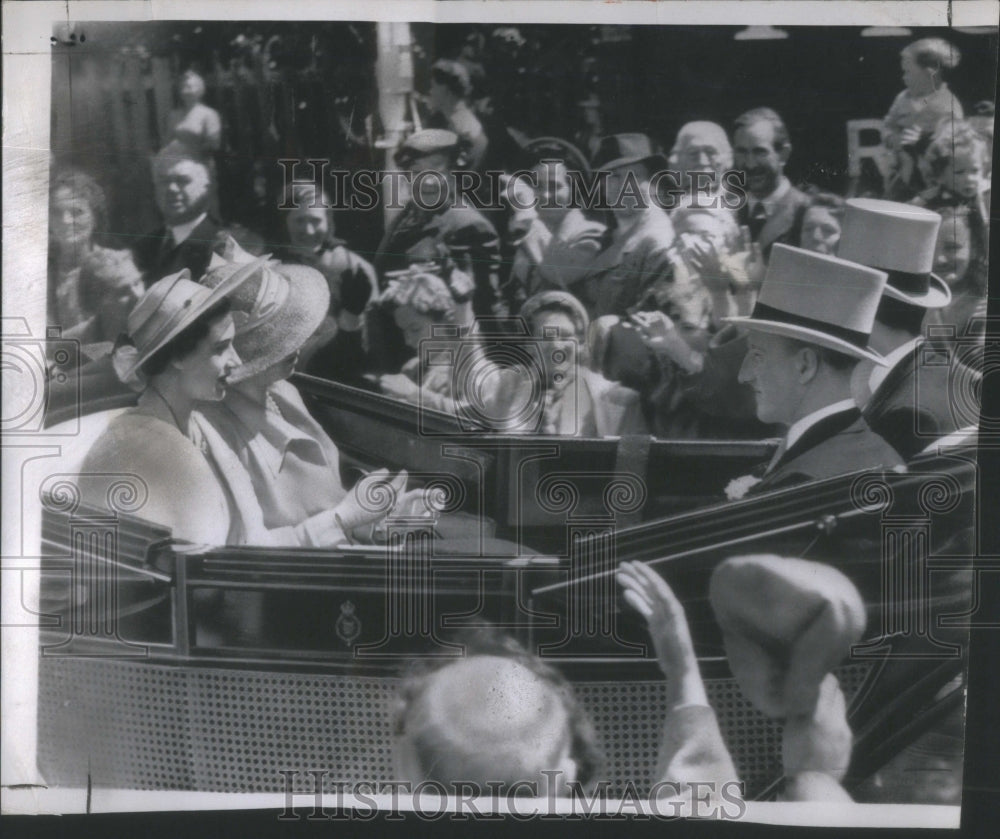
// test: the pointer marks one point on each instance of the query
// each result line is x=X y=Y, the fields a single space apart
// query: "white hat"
x=899 y=239
x=820 y=299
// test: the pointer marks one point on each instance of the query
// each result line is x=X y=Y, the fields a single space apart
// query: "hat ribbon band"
x=761 y=311
x=907 y=282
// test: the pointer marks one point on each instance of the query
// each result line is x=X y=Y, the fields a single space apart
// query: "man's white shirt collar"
x=182 y=231
x=799 y=427
x=878 y=374
x=780 y=191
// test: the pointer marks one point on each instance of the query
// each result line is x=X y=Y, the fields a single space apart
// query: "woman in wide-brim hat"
x=177 y=354
x=292 y=463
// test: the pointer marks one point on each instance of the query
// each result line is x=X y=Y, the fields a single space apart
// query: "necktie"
x=758 y=217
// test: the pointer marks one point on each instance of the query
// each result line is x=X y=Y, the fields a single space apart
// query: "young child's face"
x=917 y=79
x=964 y=172
x=954 y=250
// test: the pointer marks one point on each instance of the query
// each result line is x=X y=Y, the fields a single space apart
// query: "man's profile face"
x=754 y=153
x=181 y=190
x=771 y=369
x=627 y=189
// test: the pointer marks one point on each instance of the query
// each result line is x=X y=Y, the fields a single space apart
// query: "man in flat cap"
x=182 y=181
x=450 y=89
x=810 y=327
x=910 y=400
x=774 y=208
x=639 y=267
x=433 y=228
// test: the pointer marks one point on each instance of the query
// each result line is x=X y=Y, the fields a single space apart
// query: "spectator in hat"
x=433 y=228
x=810 y=327
x=556 y=242
x=182 y=181
x=908 y=400
x=703 y=148
x=291 y=461
x=774 y=208
x=917 y=110
x=639 y=269
x=335 y=351
x=448 y=98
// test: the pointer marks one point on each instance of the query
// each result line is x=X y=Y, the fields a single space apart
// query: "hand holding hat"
x=786 y=623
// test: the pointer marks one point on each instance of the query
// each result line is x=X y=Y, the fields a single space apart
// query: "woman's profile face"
x=917 y=79
x=71 y=220
x=820 y=231
x=414 y=325
x=206 y=369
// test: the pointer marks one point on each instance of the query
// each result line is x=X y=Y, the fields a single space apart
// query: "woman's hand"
x=370 y=499
x=399 y=386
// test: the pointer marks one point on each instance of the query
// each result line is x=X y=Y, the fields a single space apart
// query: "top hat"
x=819 y=299
x=899 y=239
x=428 y=141
x=167 y=308
x=785 y=623
x=626 y=149
x=278 y=308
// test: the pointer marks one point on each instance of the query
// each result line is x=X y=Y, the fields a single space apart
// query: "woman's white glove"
x=371 y=499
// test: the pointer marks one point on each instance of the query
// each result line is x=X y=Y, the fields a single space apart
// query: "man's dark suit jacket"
x=913 y=406
x=836 y=445
x=156 y=255
x=784 y=221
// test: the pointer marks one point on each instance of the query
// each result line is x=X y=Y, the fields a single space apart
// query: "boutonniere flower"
x=738 y=487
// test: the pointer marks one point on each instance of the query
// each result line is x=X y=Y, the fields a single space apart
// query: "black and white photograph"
x=459 y=409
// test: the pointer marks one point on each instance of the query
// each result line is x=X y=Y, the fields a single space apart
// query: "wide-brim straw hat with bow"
x=277 y=309
x=167 y=308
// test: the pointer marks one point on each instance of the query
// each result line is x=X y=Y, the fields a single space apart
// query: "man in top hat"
x=809 y=329
x=440 y=230
x=774 y=208
x=640 y=270
x=182 y=182
x=910 y=400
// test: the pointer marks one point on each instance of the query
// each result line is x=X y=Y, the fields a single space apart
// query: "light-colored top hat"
x=277 y=310
x=167 y=308
x=819 y=299
x=899 y=239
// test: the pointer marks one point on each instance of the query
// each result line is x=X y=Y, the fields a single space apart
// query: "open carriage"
x=141 y=686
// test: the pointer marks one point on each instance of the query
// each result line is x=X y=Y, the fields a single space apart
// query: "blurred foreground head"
x=498 y=716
